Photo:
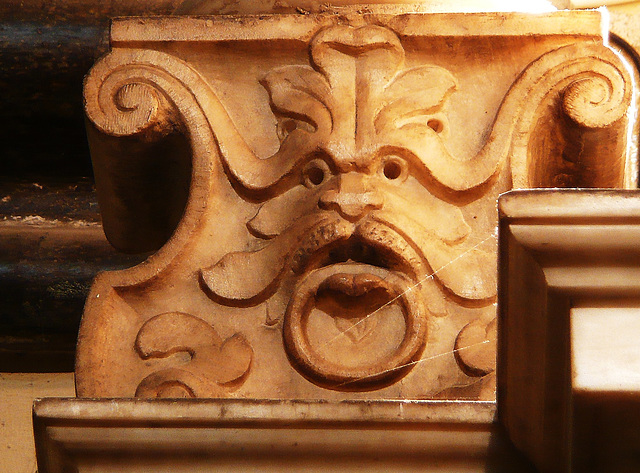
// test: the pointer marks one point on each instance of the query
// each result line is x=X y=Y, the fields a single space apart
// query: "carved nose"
x=353 y=198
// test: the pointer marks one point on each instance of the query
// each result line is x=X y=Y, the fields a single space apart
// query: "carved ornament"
x=339 y=231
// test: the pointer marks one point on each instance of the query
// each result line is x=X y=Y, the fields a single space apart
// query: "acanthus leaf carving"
x=415 y=95
x=297 y=95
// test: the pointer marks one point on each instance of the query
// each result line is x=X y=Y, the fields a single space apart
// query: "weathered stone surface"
x=227 y=435
x=339 y=235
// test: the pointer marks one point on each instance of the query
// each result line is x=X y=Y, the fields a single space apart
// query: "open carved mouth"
x=355 y=250
x=369 y=243
x=355 y=318
x=354 y=325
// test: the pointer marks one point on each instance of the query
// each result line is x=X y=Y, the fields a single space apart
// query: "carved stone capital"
x=321 y=189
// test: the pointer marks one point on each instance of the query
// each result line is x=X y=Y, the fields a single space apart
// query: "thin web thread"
x=429 y=276
x=413 y=363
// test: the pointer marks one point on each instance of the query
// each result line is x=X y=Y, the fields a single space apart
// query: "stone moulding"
x=329 y=185
x=570 y=294
x=85 y=435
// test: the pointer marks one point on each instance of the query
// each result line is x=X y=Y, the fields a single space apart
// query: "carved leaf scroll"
x=413 y=95
x=298 y=94
x=215 y=365
x=475 y=347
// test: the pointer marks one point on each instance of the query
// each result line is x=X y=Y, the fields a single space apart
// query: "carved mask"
x=360 y=136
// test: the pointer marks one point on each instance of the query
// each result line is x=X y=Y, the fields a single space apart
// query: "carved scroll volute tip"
x=123 y=99
x=594 y=88
x=598 y=101
x=475 y=347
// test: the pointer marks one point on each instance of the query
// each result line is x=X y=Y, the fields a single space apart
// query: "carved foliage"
x=214 y=365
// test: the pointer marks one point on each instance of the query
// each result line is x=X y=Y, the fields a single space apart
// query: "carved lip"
x=354 y=280
x=370 y=243
x=355 y=285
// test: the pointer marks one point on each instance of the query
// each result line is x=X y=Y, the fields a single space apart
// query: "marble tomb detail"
x=325 y=224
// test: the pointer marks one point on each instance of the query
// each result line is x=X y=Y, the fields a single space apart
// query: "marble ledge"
x=590 y=23
x=220 y=435
x=569 y=292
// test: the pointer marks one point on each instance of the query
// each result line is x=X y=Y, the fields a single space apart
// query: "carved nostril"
x=315 y=173
x=315 y=176
x=353 y=199
x=392 y=170
x=436 y=125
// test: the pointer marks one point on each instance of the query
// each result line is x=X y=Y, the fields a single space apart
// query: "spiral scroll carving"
x=134 y=91
x=215 y=365
x=151 y=96
x=597 y=101
x=594 y=89
x=129 y=100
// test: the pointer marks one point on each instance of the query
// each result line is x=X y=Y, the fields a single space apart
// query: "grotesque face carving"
x=362 y=249
x=356 y=211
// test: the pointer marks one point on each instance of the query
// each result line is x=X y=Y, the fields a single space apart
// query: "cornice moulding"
x=569 y=291
x=224 y=435
x=406 y=23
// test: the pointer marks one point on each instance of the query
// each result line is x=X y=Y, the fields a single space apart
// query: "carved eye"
x=315 y=173
x=394 y=168
x=287 y=126
x=436 y=125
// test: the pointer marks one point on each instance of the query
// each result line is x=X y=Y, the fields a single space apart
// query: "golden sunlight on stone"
x=340 y=242
x=203 y=7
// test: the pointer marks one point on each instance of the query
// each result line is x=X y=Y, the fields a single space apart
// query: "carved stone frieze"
x=339 y=229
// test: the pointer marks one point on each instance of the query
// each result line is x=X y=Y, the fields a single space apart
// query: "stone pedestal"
x=569 y=375
x=320 y=189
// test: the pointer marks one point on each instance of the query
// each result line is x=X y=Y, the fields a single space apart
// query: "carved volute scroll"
x=339 y=231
